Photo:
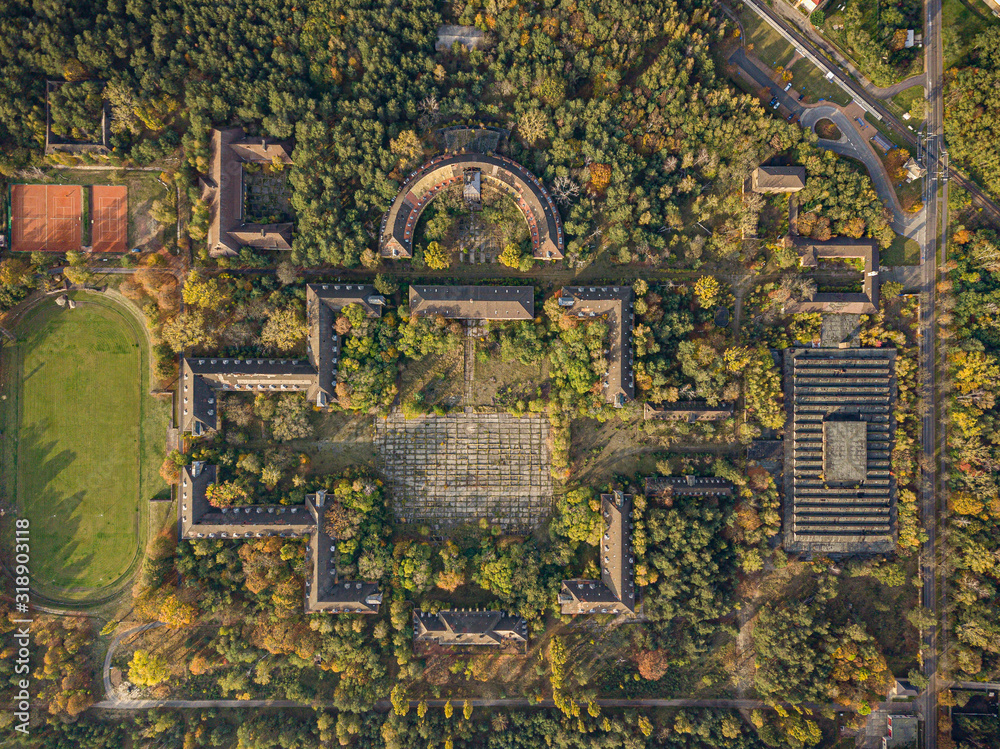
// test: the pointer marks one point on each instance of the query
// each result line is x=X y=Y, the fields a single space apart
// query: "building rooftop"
x=426 y=183
x=687 y=486
x=778 y=178
x=615 y=305
x=863 y=303
x=845 y=451
x=839 y=490
x=324 y=591
x=614 y=593
x=473 y=302
x=201 y=377
x=469 y=627
x=901 y=732
x=223 y=191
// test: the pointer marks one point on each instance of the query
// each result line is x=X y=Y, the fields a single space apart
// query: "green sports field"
x=82 y=441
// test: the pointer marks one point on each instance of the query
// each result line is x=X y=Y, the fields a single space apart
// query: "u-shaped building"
x=427 y=182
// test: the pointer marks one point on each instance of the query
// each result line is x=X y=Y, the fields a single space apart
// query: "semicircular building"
x=472 y=170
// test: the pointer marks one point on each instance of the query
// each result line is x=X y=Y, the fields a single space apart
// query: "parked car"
x=788 y=86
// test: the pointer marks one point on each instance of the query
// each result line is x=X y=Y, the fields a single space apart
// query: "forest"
x=972 y=294
x=431 y=727
x=972 y=112
x=627 y=117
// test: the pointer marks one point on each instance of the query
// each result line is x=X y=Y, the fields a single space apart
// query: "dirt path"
x=470 y=362
x=108 y=694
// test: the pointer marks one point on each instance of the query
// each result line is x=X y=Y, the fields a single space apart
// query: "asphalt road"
x=385 y=705
x=855 y=145
x=852 y=143
x=933 y=241
x=932 y=493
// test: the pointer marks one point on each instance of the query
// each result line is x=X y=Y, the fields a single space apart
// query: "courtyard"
x=451 y=470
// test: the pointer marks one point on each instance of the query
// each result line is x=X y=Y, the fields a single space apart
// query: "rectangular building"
x=778 y=178
x=614 y=593
x=839 y=490
x=473 y=302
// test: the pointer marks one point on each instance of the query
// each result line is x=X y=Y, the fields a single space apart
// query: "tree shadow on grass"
x=56 y=526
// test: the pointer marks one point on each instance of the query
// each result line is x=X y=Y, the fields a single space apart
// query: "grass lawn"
x=768 y=45
x=962 y=21
x=905 y=100
x=84 y=443
x=808 y=79
x=826 y=129
x=902 y=251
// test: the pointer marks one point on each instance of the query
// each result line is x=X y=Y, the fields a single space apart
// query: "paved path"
x=896 y=88
x=108 y=692
x=470 y=360
x=385 y=705
x=981 y=685
x=93 y=168
x=852 y=143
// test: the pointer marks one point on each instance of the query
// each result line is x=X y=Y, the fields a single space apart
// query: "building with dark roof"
x=615 y=305
x=324 y=591
x=689 y=411
x=687 y=486
x=499 y=172
x=202 y=377
x=473 y=302
x=840 y=495
x=778 y=179
x=469 y=627
x=223 y=191
x=614 y=593
x=864 y=303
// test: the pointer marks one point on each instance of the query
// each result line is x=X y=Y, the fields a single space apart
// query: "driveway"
x=854 y=144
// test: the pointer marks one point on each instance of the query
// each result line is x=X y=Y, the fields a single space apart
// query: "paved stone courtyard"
x=448 y=470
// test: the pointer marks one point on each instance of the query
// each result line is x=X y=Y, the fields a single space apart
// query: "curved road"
x=853 y=144
x=109 y=699
x=896 y=88
x=861 y=94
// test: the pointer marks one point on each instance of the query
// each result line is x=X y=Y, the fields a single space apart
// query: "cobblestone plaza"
x=448 y=470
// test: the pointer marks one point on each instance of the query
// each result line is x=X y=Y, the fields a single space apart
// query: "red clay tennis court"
x=46 y=218
x=109 y=207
